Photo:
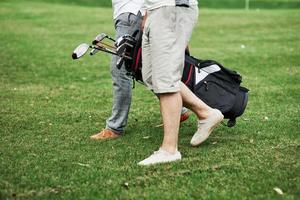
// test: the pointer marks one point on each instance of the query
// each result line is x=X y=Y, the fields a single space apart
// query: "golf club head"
x=125 y=38
x=99 y=38
x=80 y=51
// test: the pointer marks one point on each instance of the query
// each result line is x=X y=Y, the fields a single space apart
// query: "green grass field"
x=50 y=105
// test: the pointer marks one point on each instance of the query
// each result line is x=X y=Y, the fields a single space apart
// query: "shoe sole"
x=104 y=138
x=159 y=163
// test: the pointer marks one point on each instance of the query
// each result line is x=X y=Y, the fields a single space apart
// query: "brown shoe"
x=105 y=134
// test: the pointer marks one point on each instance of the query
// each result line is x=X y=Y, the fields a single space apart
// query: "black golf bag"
x=217 y=86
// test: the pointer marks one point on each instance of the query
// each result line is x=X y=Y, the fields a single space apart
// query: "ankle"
x=204 y=114
x=169 y=149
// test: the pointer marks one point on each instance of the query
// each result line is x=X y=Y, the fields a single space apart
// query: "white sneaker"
x=161 y=156
x=206 y=126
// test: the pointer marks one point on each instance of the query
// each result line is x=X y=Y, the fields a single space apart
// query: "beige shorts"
x=166 y=35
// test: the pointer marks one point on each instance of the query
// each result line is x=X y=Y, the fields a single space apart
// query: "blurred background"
x=247 y=4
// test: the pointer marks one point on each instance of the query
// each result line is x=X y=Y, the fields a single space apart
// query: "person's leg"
x=164 y=78
x=122 y=84
x=171 y=102
x=170 y=106
x=208 y=118
x=184 y=114
x=121 y=98
x=191 y=101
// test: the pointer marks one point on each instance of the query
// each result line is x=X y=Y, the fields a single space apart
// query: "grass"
x=50 y=105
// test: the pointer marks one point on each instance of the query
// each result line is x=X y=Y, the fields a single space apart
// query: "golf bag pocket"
x=214 y=92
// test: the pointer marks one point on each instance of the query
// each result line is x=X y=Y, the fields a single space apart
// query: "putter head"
x=99 y=38
x=80 y=51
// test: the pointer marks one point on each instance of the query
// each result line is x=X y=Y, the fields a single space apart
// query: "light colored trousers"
x=122 y=84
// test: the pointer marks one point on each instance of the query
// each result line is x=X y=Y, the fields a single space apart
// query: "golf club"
x=123 y=47
x=80 y=51
x=101 y=37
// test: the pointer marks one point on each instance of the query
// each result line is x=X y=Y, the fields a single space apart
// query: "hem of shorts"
x=168 y=90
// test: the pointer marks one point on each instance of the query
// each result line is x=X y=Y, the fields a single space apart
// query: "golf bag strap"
x=193 y=61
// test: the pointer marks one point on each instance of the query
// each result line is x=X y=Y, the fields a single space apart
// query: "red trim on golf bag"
x=190 y=75
x=137 y=60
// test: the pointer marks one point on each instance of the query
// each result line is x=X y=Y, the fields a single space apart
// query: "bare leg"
x=208 y=118
x=191 y=101
x=170 y=106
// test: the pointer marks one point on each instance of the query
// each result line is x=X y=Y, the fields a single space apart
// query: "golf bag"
x=217 y=86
